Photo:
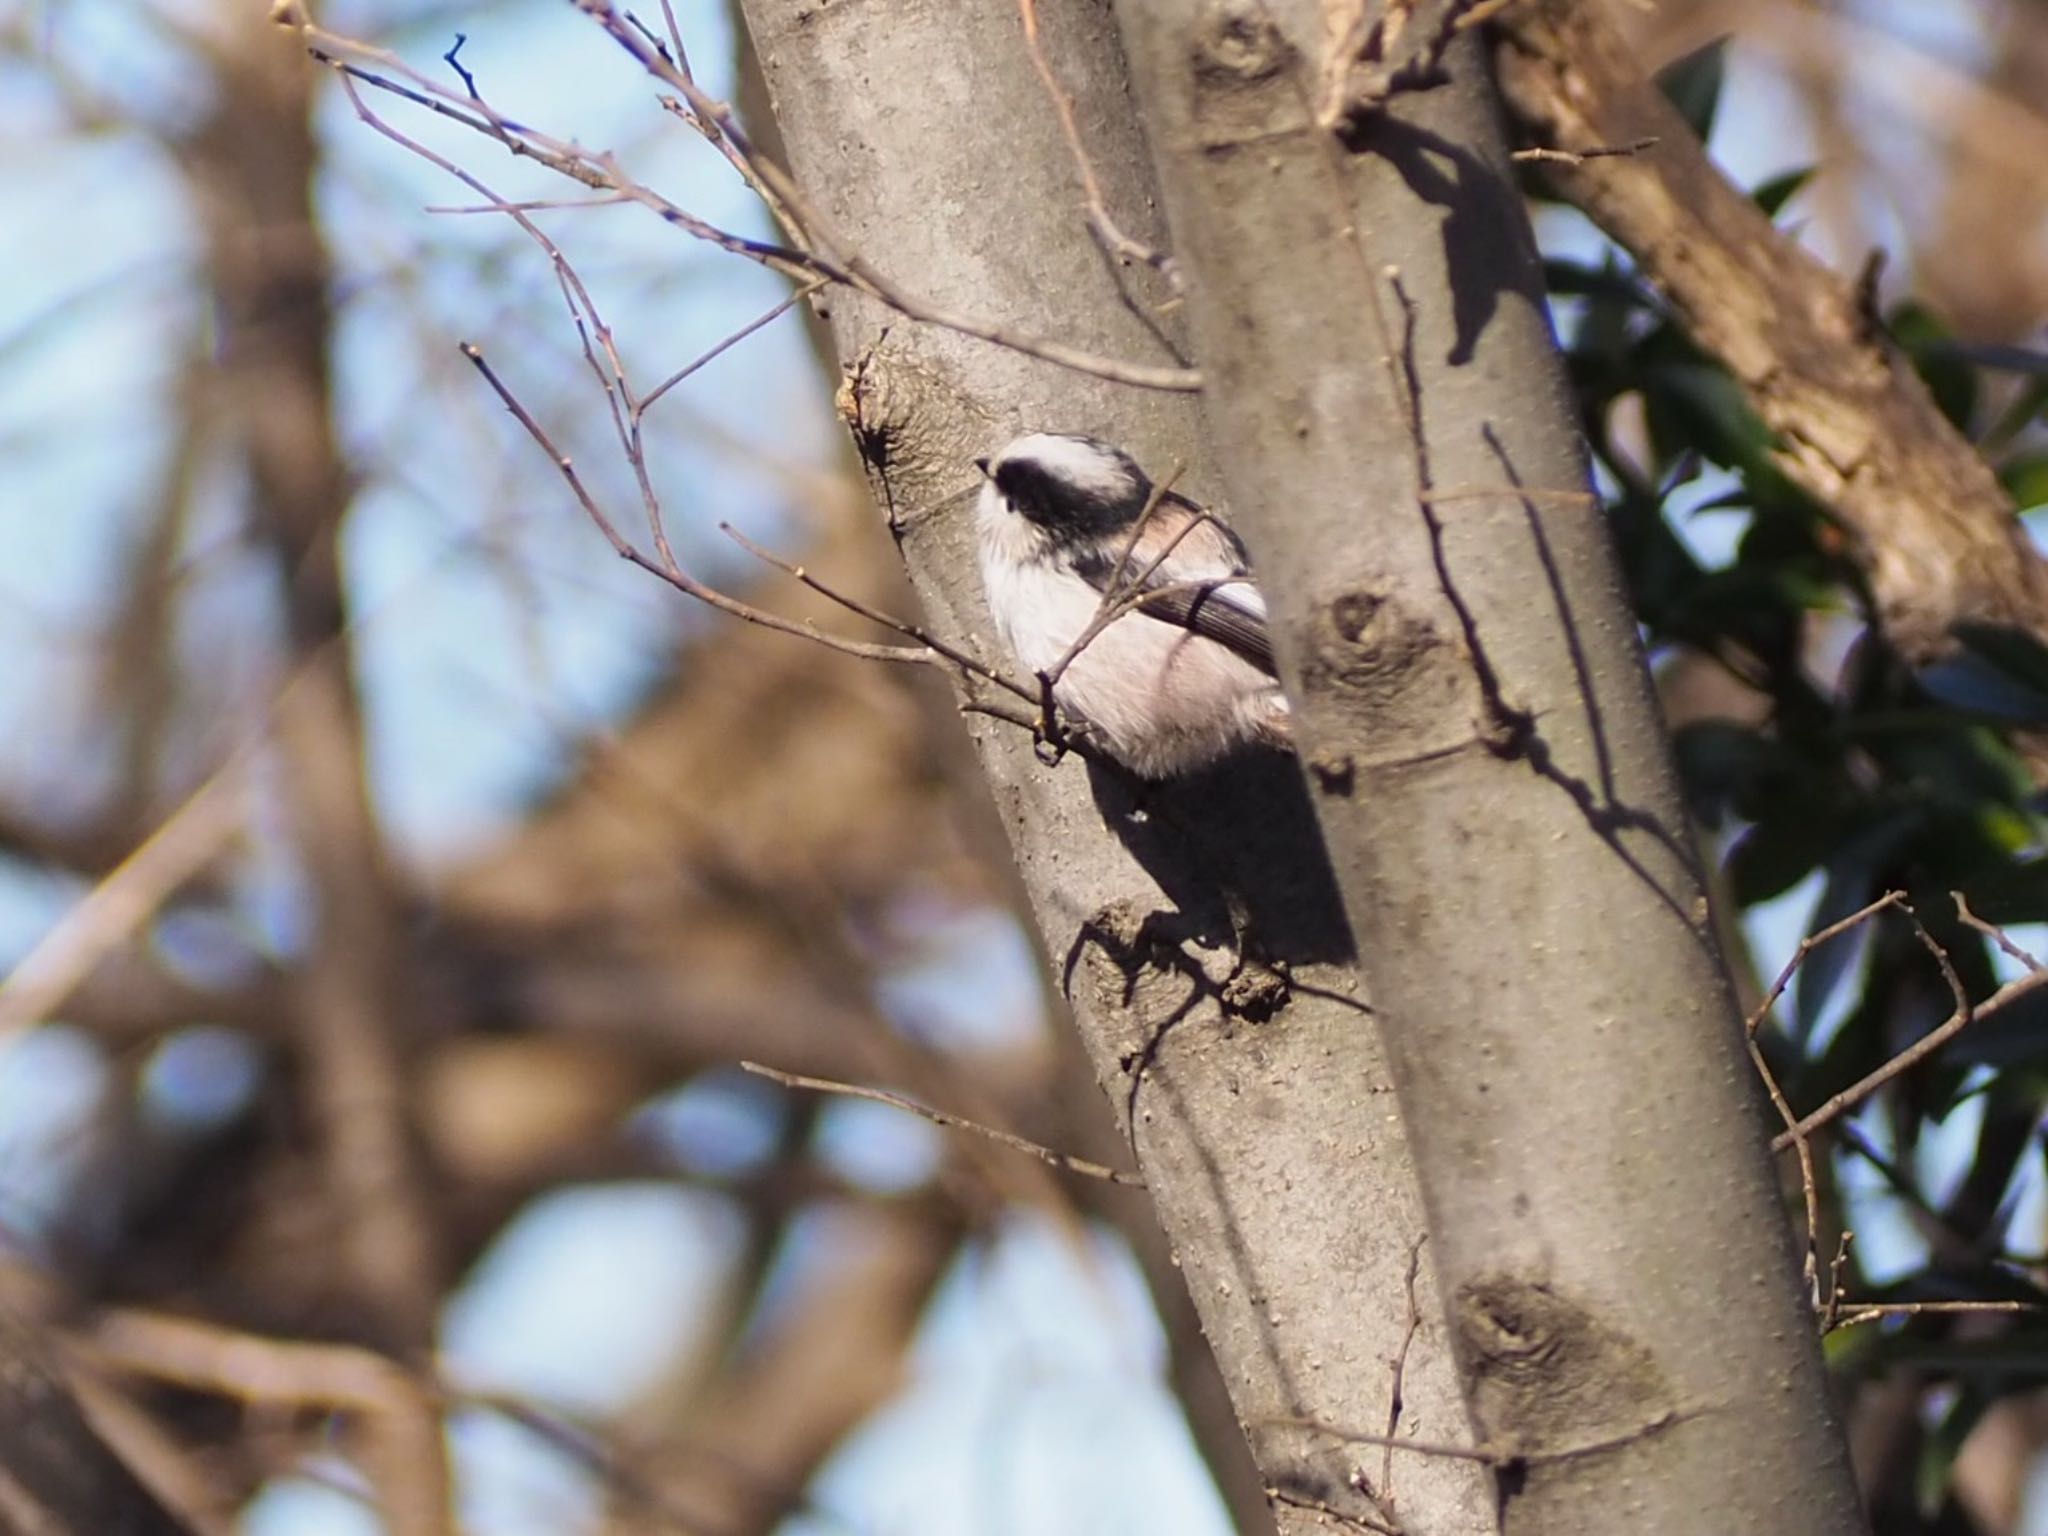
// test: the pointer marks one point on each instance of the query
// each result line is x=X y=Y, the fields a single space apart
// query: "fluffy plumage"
x=1183 y=678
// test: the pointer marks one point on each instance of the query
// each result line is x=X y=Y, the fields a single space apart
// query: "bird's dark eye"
x=1021 y=488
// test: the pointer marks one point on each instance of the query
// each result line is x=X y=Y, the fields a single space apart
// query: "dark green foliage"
x=1854 y=769
x=1693 y=85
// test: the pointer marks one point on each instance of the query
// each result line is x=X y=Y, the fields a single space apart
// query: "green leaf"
x=1698 y=406
x=1780 y=190
x=2014 y=651
x=2016 y=893
x=1717 y=762
x=1607 y=282
x=1772 y=857
x=1939 y=1449
x=2026 y=479
x=1693 y=85
x=2021 y=412
x=1943 y=362
x=1993 y=355
x=1851 y=884
x=2002 y=672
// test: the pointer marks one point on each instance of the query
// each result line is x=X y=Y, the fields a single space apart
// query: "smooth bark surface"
x=1484 y=754
x=1255 y=1098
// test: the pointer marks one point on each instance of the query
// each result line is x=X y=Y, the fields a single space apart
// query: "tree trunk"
x=1254 y=1093
x=1483 y=750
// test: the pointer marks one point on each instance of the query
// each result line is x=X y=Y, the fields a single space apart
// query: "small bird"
x=1072 y=531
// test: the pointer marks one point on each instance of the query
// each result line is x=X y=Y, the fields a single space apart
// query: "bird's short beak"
x=982 y=465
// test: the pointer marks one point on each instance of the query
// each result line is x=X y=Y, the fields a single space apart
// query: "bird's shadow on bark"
x=1236 y=850
x=1480 y=227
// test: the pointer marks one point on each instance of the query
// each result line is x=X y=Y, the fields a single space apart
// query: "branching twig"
x=1962 y=1018
x=820 y=254
x=1329 y=1511
x=1807 y=946
x=1120 y=597
x=682 y=581
x=917 y=632
x=1809 y=1188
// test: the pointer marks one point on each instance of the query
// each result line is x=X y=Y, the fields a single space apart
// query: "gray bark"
x=1483 y=751
x=1255 y=1097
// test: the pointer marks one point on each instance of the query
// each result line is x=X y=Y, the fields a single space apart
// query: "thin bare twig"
x=628 y=412
x=1821 y=1292
x=1808 y=945
x=1808 y=1185
x=1869 y=1312
x=917 y=632
x=859 y=273
x=1581 y=156
x=682 y=581
x=1329 y=1511
x=1044 y=1154
x=1395 y=1400
x=720 y=348
x=1120 y=597
x=1993 y=932
x=1538 y=495
x=1832 y=1310
x=1105 y=229
x=820 y=255
x=1493 y=1455
x=1048 y=724
x=1962 y=1018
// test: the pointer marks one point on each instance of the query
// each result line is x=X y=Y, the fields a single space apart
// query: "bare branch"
x=129 y=895
x=681 y=580
x=1044 y=1154
x=601 y=172
x=1856 y=428
x=1581 y=156
x=1962 y=1018
x=1107 y=232
x=970 y=665
x=1870 y=1312
x=1992 y=932
x=1808 y=945
x=1495 y=1455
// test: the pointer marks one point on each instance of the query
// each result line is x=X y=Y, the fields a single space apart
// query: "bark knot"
x=1548 y=1370
x=1237 y=42
x=1369 y=643
x=907 y=422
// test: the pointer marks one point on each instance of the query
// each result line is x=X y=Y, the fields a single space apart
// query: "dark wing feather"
x=1211 y=614
x=1189 y=588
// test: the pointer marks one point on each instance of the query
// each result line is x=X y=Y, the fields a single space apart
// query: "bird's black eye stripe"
x=1022 y=480
x=1053 y=501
